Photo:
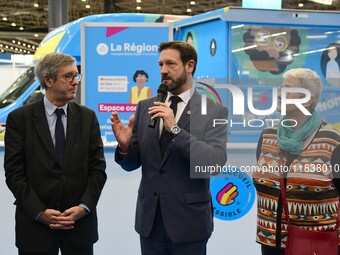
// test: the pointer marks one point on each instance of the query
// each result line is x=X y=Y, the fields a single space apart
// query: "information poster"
x=251 y=54
x=262 y=53
x=120 y=68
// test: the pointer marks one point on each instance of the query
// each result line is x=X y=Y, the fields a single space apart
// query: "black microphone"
x=161 y=96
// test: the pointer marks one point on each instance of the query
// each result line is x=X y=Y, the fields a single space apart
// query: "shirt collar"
x=185 y=96
x=50 y=108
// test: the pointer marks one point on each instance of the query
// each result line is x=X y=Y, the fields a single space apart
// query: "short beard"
x=176 y=84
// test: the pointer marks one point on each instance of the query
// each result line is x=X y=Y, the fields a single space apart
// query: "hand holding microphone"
x=161 y=96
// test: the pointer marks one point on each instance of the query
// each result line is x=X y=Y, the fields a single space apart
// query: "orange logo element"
x=227 y=194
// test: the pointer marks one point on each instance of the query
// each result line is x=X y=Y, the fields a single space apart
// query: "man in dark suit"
x=56 y=190
x=174 y=209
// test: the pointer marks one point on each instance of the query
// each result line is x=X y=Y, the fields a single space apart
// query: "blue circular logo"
x=233 y=194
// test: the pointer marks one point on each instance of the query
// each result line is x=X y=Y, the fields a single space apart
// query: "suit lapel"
x=190 y=110
x=41 y=125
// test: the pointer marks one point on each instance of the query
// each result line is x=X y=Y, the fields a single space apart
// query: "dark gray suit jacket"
x=38 y=182
x=185 y=202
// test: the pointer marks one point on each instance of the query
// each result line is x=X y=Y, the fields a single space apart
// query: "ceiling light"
x=36 y=5
x=83 y=0
x=19 y=43
x=192 y=2
x=327 y=2
x=21 y=28
x=138 y=8
x=36 y=35
x=13 y=41
x=87 y=6
x=138 y=1
x=300 y=5
x=188 y=10
x=4 y=19
x=13 y=24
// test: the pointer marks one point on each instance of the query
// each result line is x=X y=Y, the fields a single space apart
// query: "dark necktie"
x=166 y=136
x=59 y=136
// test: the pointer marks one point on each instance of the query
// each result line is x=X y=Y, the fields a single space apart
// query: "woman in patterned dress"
x=309 y=161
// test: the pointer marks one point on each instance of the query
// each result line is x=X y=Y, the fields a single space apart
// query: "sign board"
x=120 y=67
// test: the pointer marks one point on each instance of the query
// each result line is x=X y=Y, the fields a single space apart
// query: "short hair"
x=187 y=51
x=50 y=64
x=310 y=80
x=141 y=72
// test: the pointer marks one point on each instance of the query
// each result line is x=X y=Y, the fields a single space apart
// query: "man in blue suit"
x=174 y=211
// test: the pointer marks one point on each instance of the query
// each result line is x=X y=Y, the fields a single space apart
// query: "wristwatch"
x=175 y=130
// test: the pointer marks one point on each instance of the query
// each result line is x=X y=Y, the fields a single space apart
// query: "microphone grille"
x=163 y=89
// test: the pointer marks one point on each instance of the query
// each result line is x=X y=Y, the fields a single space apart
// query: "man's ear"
x=190 y=66
x=48 y=81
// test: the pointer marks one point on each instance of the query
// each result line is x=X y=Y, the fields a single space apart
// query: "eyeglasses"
x=70 y=76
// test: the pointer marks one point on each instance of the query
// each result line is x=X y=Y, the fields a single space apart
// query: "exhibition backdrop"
x=111 y=54
x=252 y=48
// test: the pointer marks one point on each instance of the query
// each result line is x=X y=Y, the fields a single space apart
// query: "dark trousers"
x=159 y=243
x=66 y=248
x=267 y=250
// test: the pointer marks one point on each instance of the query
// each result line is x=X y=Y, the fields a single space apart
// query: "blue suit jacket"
x=185 y=202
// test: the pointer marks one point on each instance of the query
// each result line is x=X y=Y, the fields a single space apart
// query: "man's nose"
x=164 y=69
x=75 y=82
